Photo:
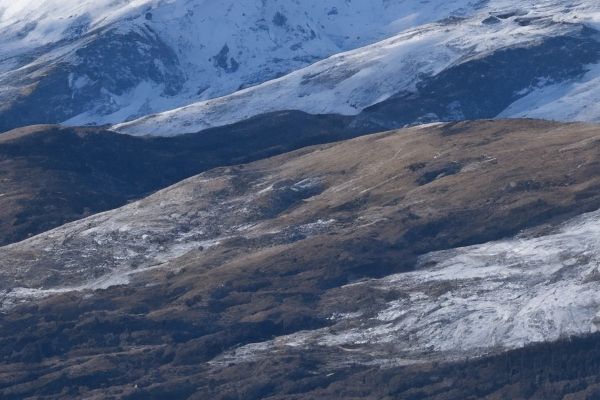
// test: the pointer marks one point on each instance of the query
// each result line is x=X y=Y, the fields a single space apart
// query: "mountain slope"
x=52 y=175
x=110 y=62
x=238 y=267
x=489 y=64
x=98 y=62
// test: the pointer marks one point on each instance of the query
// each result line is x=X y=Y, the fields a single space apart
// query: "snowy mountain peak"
x=214 y=48
x=467 y=68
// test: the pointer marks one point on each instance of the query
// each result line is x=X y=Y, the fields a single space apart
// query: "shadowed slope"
x=51 y=175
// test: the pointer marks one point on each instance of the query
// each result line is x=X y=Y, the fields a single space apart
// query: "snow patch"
x=474 y=300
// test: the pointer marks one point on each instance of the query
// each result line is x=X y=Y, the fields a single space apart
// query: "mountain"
x=172 y=67
x=285 y=199
x=52 y=175
x=536 y=60
x=100 y=62
x=288 y=267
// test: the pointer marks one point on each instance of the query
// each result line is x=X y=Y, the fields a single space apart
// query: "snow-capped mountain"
x=183 y=66
x=536 y=59
x=444 y=260
x=98 y=62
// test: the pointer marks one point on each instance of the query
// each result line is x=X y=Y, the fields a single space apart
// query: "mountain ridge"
x=292 y=199
x=52 y=175
x=106 y=62
x=514 y=57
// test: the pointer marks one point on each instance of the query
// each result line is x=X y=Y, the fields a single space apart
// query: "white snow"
x=266 y=38
x=275 y=38
x=565 y=101
x=281 y=38
x=473 y=300
x=346 y=83
x=501 y=294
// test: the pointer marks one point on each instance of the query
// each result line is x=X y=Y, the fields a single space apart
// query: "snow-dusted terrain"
x=109 y=61
x=182 y=66
x=470 y=301
x=564 y=101
x=349 y=82
x=424 y=262
x=540 y=286
x=108 y=248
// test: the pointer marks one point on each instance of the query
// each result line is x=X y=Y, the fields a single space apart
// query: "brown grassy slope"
x=51 y=175
x=394 y=196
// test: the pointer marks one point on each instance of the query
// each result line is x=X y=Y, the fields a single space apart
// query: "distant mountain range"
x=110 y=62
x=492 y=64
x=101 y=62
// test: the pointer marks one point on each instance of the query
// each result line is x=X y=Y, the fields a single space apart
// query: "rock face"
x=99 y=62
x=300 y=268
